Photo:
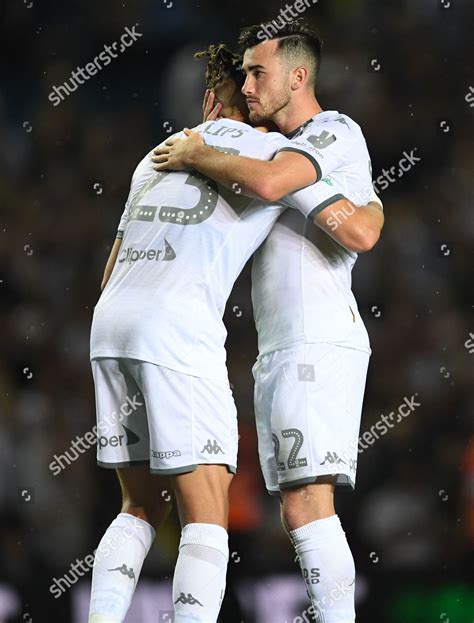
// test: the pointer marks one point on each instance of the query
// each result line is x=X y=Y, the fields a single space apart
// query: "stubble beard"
x=269 y=113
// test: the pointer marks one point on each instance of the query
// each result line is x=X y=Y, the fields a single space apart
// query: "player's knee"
x=202 y=495
x=303 y=505
x=144 y=495
x=293 y=510
x=153 y=506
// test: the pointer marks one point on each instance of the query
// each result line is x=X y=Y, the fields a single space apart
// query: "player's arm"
x=139 y=179
x=268 y=180
x=111 y=262
x=109 y=267
x=357 y=228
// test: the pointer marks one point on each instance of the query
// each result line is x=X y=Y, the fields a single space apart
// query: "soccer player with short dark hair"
x=313 y=347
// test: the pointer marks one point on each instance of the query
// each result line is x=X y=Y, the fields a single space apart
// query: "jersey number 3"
x=209 y=196
x=199 y=213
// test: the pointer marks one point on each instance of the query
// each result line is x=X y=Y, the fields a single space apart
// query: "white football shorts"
x=308 y=405
x=150 y=414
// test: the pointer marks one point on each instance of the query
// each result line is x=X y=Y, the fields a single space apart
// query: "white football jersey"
x=185 y=241
x=301 y=277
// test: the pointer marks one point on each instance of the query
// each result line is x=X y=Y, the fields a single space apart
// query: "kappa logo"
x=169 y=454
x=212 y=447
x=188 y=599
x=342 y=120
x=323 y=140
x=124 y=570
x=332 y=457
x=131 y=255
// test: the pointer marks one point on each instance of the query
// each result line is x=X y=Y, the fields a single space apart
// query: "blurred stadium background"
x=403 y=70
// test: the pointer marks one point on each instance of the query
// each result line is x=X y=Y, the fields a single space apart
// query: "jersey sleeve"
x=139 y=179
x=314 y=199
x=123 y=221
x=273 y=144
x=141 y=176
x=328 y=147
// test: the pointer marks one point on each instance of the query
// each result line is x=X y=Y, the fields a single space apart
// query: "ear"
x=299 y=78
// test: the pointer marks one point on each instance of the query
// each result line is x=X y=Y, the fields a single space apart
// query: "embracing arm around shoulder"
x=270 y=180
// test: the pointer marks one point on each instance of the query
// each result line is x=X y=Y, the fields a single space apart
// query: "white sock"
x=200 y=573
x=328 y=569
x=117 y=565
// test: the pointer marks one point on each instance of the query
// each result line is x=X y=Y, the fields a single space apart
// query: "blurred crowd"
x=64 y=177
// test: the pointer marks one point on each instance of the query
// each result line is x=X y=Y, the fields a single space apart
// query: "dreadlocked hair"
x=223 y=63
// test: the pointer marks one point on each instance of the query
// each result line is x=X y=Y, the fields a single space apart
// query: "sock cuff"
x=135 y=527
x=318 y=531
x=210 y=535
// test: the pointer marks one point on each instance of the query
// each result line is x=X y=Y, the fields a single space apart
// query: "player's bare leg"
x=124 y=546
x=200 y=574
x=325 y=558
x=145 y=495
x=311 y=502
x=202 y=495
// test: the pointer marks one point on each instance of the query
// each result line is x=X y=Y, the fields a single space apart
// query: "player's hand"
x=210 y=109
x=176 y=154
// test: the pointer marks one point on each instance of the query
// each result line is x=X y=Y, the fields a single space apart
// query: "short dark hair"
x=223 y=63
x=294 y=38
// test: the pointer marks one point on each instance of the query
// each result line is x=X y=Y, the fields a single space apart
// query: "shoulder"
x=143 y=167
x=141 y=175
x=276 y=138
x=331 y=133
x=336 y=125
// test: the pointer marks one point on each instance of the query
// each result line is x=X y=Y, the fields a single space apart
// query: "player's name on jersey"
x=221 y=129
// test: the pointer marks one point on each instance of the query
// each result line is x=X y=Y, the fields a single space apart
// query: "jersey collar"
x=319 y=117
